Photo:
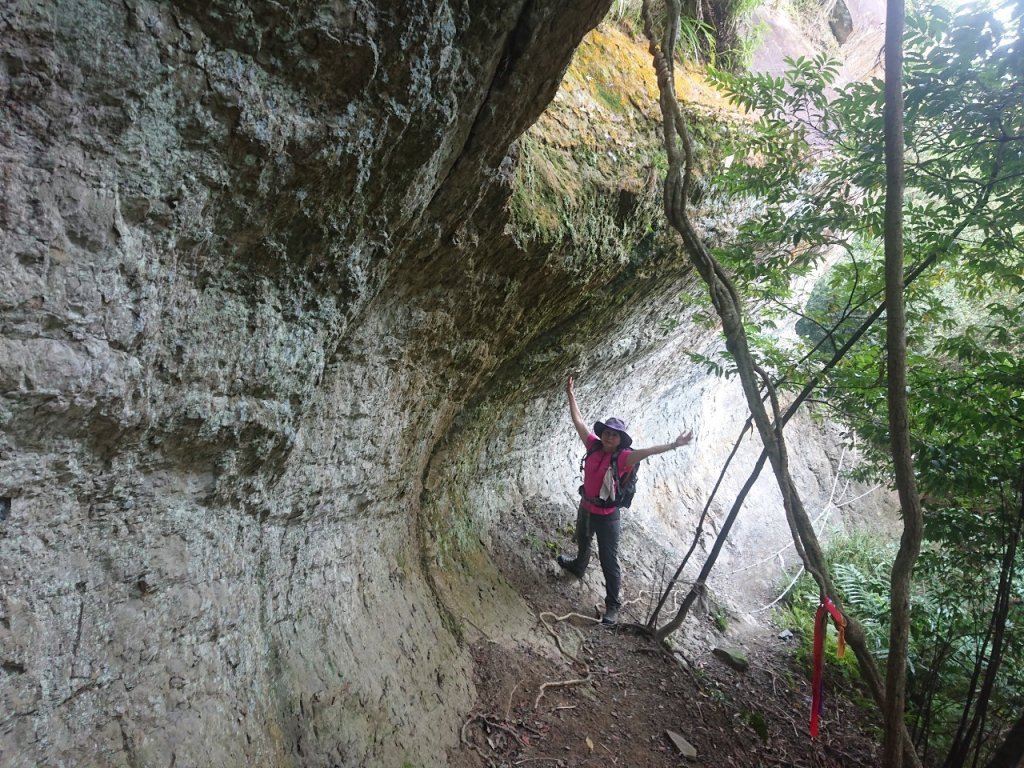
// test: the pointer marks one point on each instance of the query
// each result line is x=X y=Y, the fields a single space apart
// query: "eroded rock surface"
x=276 y=380
x=236 y=319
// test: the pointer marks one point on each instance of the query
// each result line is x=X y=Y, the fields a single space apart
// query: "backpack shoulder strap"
x=590 y=452
x=615 y=458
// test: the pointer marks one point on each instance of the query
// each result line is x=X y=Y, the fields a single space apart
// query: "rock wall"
x=276 y=379
x=239 y=307
x=511 y=465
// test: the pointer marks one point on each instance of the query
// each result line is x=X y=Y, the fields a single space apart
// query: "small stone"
x=785 y=635
x=733 y=657
x=686 y=749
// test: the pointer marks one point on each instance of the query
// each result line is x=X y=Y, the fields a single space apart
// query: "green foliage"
x=667 y=325
x=952 y=624
x=833 y=311
x=748 y=44
x=816 y=168
x=561 y=197
x=712 y=366
x=756 y=722
x=736 y=37
x=695 y=41
x=628 y=13
x=859 y=566
x=948 y=618
x=701 y=39
x=721 y=619
x=813 y=167
x=548 y=547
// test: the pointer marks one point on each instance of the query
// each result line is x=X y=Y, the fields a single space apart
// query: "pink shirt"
x=594 y=470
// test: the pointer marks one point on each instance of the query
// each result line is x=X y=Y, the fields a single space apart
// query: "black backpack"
x=625 y=487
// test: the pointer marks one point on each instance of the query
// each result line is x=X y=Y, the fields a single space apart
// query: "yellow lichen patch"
x=608 y=101
x=601 y=135
x=609 y=59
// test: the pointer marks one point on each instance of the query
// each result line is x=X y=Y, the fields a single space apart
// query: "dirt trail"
x=634 y=691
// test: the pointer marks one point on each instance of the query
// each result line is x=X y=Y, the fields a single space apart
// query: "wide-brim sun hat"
x=618 y=425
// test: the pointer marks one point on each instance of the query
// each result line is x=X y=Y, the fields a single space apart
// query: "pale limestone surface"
x=275 y=384
x=221 y=379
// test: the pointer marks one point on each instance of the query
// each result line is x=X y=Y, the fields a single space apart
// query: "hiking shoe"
x=611 y=616
x=569 y=565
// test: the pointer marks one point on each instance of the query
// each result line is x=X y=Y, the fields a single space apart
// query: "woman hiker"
x=598 y=490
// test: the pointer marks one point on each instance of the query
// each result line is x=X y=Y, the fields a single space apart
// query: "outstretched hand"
x=574 y=410
x=684 y=438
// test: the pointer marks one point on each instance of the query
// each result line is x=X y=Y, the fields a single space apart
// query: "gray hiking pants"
x=606 y=527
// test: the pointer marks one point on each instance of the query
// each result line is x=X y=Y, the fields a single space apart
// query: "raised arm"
x=574 y=412
x=640 y=454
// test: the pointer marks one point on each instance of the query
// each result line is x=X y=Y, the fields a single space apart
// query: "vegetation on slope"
x=823 y=191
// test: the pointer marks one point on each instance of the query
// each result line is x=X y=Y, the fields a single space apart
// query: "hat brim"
x=600 y=426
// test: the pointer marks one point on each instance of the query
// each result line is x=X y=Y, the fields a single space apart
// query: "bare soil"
x=629 y=691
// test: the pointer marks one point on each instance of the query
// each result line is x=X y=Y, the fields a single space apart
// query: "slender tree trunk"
x=652 y=622
x=899 y=430
x=729 y=309
x=970 y=736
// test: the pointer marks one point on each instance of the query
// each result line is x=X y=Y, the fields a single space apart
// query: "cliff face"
x=277 y=374
x=236 y=261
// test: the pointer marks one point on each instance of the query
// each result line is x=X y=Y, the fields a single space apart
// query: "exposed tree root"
x=511 y=728
x=544 y=616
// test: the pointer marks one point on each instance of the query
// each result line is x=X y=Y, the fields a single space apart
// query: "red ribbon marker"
x=825 y=609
